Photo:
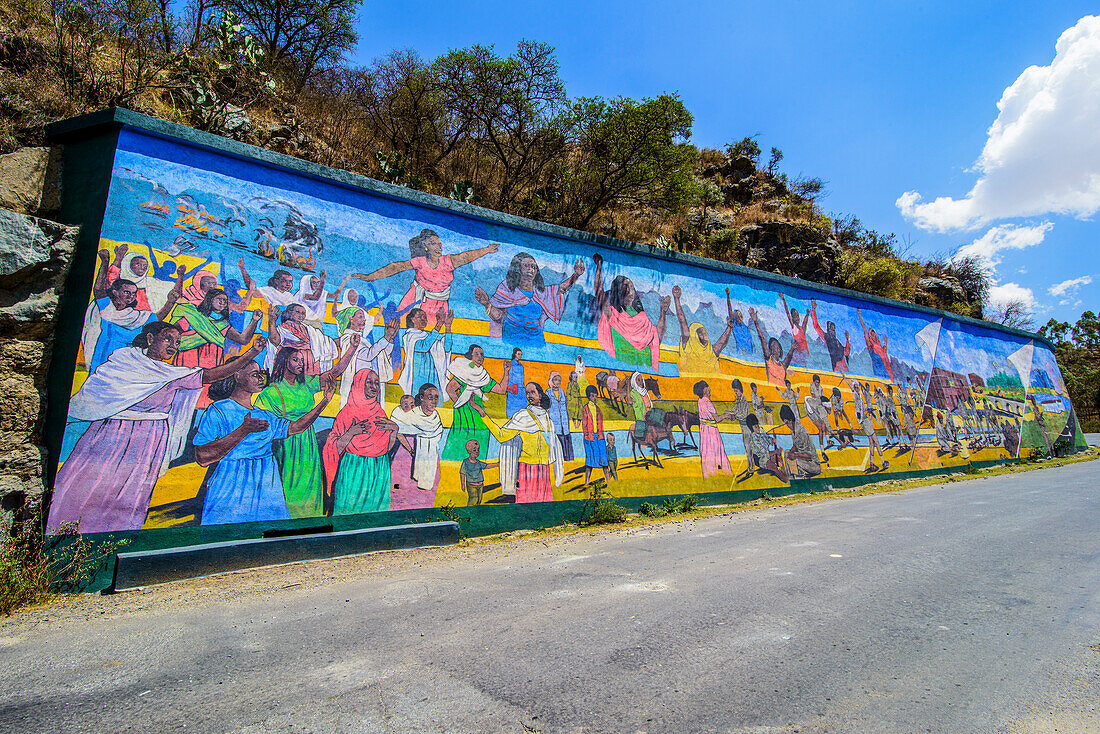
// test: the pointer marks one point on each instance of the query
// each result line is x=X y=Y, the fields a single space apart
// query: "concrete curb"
x=144 y=568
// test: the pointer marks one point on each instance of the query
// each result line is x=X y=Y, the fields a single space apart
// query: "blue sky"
x=878 y=98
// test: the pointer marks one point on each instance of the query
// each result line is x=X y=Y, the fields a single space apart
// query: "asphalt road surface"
x=967 y=607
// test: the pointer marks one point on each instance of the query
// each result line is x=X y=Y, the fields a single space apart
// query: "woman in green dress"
x=468 y=385
x=291 y=395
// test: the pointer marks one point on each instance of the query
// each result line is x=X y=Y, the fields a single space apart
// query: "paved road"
x=968 y=607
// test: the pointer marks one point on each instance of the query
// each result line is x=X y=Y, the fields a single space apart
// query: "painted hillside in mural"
x=261 y=346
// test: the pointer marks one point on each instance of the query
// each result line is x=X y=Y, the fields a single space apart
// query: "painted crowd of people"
x=163 y=342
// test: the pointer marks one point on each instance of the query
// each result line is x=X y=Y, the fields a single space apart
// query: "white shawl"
x=127 y=318
x=124 y=380
x=315 y=310
x=529 y=420
x=428 y=429
x=474 y=376
x=409 y=340
x=276 y=297
x=323 y=347
x=366 y=358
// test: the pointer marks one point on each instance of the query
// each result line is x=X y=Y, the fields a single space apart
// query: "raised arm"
x=386 y=271
x=813 y=313
x=665 y=305
x=598 y=291
x=99 y=287
x=236 y=336
x=862 y=325
x=344 y=361
x=273 y=326
x=469 y=256
x=759 y=332
x=197 y=268
x=248 y=282
x=315 y=294
x=578 y=271
x=243 y=305
x=787 y=312
x=120 y=252
x=684 y=335
x=213 y=374
x=724 y=339
x=173 y=296
x=307 y=420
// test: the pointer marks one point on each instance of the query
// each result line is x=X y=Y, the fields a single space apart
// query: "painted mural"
x=260 y=345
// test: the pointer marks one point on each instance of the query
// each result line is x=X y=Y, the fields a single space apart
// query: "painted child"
x=472 y=472
x=758 y=403
x=791 y=396
x=612 y=457
x=595 y=446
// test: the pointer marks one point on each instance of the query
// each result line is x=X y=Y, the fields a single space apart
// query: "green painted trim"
x=114 y=118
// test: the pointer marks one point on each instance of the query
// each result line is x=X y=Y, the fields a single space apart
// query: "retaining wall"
x=388 y=336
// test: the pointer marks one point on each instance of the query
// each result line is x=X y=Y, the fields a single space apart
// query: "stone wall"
x=35 y=253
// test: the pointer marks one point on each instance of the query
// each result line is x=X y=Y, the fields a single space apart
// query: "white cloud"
x=999 y=295
x=1000 y=238
x=1066 y=291
x=1042 y=153
x=1068 y=286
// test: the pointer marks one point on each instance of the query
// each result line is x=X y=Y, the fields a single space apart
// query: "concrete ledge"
x=158 y=566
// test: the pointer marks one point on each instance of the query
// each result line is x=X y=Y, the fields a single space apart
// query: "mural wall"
x=261 y=345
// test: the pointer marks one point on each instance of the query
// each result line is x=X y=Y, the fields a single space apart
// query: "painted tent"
x=261 y=343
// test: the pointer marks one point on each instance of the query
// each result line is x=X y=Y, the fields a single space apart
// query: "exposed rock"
x=738 y=193
x=944 y=290
x=715 y=221
x=34 y=259
x=30 y=180
x=791 y=249
x=236 y=121
x=275 y=132
x=732 y=169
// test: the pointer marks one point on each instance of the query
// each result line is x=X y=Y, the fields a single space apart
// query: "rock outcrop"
x=34 y=259
x=791 y=248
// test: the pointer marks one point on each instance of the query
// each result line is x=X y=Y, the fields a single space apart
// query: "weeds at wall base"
x=35 y=566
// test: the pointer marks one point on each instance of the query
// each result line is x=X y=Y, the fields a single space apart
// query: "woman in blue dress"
x=245 y=485
x=522 y=302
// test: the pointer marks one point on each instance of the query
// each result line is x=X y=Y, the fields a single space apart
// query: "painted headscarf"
x=315 y=310
x=343 y=317
x=359 y=409
x=695 y=357
x=637 y=384
x=194 y=293
x=126 y=270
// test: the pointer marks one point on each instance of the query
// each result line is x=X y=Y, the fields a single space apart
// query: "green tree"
x=304 y=34
x=508 y=109
x=625 y=151
x=400 y=103
x=1077 y=349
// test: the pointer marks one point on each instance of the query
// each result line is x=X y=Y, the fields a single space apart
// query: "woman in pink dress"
x=140 y=408
x=711 y=451
x=433 y=272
